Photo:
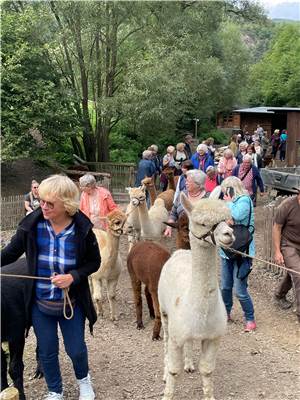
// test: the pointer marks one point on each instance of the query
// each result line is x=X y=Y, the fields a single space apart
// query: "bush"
x=219 y=137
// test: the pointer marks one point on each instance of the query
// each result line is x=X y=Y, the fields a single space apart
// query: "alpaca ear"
x=128 y=189
x=215 y=194
x=187 y=205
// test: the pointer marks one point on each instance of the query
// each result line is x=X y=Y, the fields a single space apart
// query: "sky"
x=289 y=9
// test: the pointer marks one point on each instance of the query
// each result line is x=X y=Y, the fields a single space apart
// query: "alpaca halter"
x=210 y=233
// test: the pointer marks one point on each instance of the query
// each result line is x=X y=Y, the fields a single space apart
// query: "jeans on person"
x=229 y=281
x=45 y=328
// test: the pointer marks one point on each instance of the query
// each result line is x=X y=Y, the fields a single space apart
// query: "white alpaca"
x=111 y=262
x=133 y=226
x=152 y=221
x=190 y=300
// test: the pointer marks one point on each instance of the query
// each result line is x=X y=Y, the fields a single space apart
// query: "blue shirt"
x=56 y=254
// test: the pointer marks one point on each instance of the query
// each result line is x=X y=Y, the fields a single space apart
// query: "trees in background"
x=88 y=72
x=275 y=80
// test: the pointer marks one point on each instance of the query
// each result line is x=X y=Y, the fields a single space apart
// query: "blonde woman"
x=180 y=155
x=227 y=163
x=59 y=244
x=234 y=273
x=32 y=199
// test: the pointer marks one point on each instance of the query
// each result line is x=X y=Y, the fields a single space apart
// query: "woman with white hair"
x=201 y=159
x=195 y=190
x=235 y=270
x=167 y=162
x=242 y=151
x=95 y=202
x=227 y=163
x=59 y=244
x=250 y=176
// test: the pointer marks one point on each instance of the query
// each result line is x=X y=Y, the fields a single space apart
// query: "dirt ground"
x=126 y=364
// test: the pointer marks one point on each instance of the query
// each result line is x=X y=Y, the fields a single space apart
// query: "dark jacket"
x=145 y=168
x=88 y=260
x=257 y=181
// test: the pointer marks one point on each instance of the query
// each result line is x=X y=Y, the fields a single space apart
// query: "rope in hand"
x=67 y=300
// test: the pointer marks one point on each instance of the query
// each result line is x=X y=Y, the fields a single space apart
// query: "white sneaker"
x=54 y=396
x=86 y=389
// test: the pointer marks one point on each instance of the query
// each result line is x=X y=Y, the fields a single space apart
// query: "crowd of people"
x=59 y=242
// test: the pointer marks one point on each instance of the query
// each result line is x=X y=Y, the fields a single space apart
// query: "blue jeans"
x=229 y=281
x=45 y=328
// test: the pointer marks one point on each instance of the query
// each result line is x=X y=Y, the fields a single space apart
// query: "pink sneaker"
x=250 y=326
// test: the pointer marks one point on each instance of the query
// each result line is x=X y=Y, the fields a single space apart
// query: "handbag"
x=243 y=238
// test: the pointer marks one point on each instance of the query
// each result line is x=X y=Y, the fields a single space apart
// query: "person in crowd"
x=234 y=272
x=180 y=155
x=239 y=138
x=233 y=145
x=260 y=131
x=146 y=167
x=242 y=151
x=156 y=160
x=201 y=159
x=282 y=144
x=32 y=199
x=255 y=137
x=168 y=161
x=256 y=158
x=227 y=163
x=181 y=184
x=195 y=190
x=275 y=141
x=264 y=145
x=95 y=202
x=210 y=146
x=286 y=239
x=257 y=147
x=213 y=179
x=188 y=140
x=59 y=244
x=250 y=177
x=248 y=137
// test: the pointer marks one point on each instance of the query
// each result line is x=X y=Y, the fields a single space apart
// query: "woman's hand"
x=168 y=231
x=62 y=281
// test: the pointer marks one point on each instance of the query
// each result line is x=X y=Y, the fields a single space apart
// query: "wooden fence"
x=122 y=174
x=269 y=214
x=12 y=211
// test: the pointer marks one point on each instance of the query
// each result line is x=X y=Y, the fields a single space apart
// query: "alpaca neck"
x=112 y=246
x=145 y=221
x=152 y=191
x=204 y=272
x=171 y=182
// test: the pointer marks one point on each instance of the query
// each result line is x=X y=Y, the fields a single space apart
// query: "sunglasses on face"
x=35 y=187
x=48 y=204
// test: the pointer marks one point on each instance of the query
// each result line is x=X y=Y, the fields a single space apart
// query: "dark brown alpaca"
x=144 y=263
x=182 y=226
x=167 y=195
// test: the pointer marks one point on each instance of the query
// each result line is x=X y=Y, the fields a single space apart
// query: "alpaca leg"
x=157 y=322
x=164 y=322
x=207 y=365
x=174 y=369
x=149 y=302
x=98 y=295
x=111 y=293
x=137 y=293
x=188 y=356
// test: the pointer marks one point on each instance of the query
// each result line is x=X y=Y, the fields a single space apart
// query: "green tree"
x=275 y=80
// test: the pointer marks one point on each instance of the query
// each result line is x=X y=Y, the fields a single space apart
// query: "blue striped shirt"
x=56 y=254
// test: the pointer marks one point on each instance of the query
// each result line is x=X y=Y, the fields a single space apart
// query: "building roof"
x=266 y=110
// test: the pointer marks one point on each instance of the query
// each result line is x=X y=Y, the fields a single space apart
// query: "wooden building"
x=269 y=118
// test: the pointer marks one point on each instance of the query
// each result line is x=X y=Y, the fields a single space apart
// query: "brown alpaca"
x=172 y=180
x=144 y=263
x=182 y=226
x=167 y=196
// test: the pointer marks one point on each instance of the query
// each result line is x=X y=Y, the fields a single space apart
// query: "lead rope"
x=67 y=300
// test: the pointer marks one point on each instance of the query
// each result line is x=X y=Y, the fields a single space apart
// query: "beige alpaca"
x=167 y=196
x=152 y=221
x=111 y=263
x=132 y=226
x=190 y=300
